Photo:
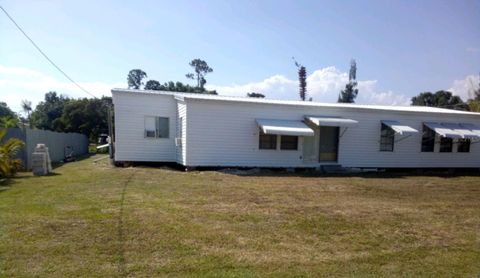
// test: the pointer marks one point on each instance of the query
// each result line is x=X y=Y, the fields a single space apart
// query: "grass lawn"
x=93 y=220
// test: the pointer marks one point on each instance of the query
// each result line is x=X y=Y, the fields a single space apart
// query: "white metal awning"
x=332 y=121
x=443 y=130
x=400 y=128
x=474 y=128
x=284 y=127
x=465 y=132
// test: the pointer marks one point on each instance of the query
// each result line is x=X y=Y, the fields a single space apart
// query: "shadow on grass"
x=392 y=173
x=5 y=185
x=389 y=174
x=77 y=159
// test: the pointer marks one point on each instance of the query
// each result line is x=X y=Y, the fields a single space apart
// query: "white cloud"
x=18 y=83
x=465 y=87
x=323 y=85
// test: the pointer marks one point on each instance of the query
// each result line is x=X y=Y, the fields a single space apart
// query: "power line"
x=45 y=55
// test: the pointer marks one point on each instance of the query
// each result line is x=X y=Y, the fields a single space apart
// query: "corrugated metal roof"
x=421 y=109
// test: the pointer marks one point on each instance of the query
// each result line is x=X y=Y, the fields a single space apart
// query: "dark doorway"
x=328 y=143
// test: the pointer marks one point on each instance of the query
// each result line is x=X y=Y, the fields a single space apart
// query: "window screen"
x=428 y=139
x=446 y=145
x=288 y=142
x=387 y=138
x=463 y=146
x=267 y=141
x=156 y=127
x=162 y=127
x=150 y=127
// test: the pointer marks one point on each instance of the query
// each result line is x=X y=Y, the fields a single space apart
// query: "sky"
x=402 y=48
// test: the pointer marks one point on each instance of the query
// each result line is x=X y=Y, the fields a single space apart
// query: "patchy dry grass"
x=93 y=220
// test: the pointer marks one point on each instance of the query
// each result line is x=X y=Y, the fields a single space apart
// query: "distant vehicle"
x=103 y=139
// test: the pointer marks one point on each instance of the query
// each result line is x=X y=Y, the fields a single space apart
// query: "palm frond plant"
x=8 y=163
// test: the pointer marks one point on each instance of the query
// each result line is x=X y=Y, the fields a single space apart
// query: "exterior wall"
x=55 y=141
x=130 y=141
x=359 y=147
x=225 y=134
x=181 y=132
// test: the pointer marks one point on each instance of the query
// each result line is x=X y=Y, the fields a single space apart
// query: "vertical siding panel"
x=130 y=112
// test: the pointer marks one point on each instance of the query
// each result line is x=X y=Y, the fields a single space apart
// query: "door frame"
x=337 y=144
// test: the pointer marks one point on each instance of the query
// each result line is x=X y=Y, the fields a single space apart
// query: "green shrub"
x=8 y=163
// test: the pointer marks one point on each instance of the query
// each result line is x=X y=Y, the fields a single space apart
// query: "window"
x=288 y=142
x=156 y=127
x=446 y=145
x=267 y=141
x=428 y=139
x=463 y=146
x=387 y=138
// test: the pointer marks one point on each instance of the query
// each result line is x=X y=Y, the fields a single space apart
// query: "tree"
x=27 y=109
x=135 y=78
x=253 y=94
x=87 y=116
x=350 y=92
x=8 y=150
x=6 y=111
x=474 y=92
x=48 y=112
x=201 y=69
x=442 y=99
x=302 y=80
x=8 y=122
x=153 y=85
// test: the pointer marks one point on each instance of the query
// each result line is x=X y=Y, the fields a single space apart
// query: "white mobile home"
x=206 y=130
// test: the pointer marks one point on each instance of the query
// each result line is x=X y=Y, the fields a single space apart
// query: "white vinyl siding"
x=181 y=146
x=237 y=143
x=225 y=133
x=132 y=112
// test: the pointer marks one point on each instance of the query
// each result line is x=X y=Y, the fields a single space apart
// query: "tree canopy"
x=201 y=69
x=442 y=99
x=302 y=80
x=152 y=85
x=6 y=111
x=63 y=114
x=48 y=111
x=474 y=101
x=253 y=94
x=350 y=92
x=87 y=116
x=135 y=78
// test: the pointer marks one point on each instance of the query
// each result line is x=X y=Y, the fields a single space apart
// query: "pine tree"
x=302 y=80
x=350 y=92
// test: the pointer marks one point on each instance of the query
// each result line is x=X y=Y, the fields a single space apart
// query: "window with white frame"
x=156 y=127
